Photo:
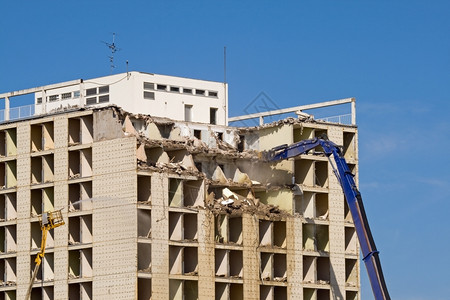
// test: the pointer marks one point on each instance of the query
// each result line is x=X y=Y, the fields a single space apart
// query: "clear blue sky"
x=393 y=56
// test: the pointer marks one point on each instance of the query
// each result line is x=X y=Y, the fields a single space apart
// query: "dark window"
x=174 y=89
x=90 y=92
x=39 y=100
x=187 y=91
x=212 y=94
x=200 y=92
x=213 y=115
x=104 y=98
x=92 y=100
x=220 y=136
x=198 y=134
x=53 y=98
x=66 y=96
x=103 y=89
x=161 y=87
x=149 y=86
x=149 y=95
x=241 y=143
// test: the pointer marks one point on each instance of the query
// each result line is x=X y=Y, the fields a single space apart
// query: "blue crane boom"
x=354 y=201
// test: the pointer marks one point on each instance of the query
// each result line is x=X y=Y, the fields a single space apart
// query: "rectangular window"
x=174 y=89
x=200 y=92
x=161 y=87
x=39 y=100
x=212 y=94
x=188 y=113
x=90 y=92
x=149 y=86
x=213 y=115
x=103 y=89
x=149 y=95
x=92 y=100
x=66 y=96
x=187 y=91
x=76 y=94
x=53 y=98
x=103 y=99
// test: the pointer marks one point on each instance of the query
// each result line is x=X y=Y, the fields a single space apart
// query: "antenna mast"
x=112 y=46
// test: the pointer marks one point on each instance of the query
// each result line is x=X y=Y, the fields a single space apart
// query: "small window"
x=53 y=98
x=76 y=94
x=149 y=86
x=188 y=113
x=187 y=91
x=92 y=100
x=200 y=92
x=149 y=95
x=161 y=87
x=103 y=89
x=174 y=89
x=90 y=92
x=212 y=94
x=66 y=96
x=213 y=116
x=39 y=100
x=198 y=134
x=220 y=135
x=104 y=98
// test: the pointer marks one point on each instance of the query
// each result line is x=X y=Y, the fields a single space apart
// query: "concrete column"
x=206 y=274
x=160 y=236
x=82 y=102
x=336 y=229
x=7 y=108
x=44 y=102
x=61 y=254
x=23 y=209
x=353 y=111
x=251 y=257
x=294 y=257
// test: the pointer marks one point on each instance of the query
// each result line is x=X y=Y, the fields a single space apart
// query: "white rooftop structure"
x=172 y=97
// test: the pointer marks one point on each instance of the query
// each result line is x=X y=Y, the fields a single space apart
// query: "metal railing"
x=341 y=119
x=17 y=113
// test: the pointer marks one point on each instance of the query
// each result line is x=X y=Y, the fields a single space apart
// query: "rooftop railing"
x=300 y=111
x=341 y=119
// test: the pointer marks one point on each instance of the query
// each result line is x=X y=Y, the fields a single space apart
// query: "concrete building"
x=159 y=207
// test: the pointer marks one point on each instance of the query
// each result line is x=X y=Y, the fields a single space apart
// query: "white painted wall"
x=127 y=91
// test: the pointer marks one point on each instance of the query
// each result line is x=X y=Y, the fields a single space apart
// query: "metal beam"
x=292 y=109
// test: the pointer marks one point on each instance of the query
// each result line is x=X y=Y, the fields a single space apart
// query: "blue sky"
x=393 y=56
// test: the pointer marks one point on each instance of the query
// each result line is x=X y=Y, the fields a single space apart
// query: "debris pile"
x=232 y=203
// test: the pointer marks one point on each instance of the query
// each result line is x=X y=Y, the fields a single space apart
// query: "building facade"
x=164 y=208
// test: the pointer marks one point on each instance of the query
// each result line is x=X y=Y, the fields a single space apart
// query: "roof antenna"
x=128 y=74
x=112 y=46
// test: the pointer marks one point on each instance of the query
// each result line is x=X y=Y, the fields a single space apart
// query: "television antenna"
x=112 y=46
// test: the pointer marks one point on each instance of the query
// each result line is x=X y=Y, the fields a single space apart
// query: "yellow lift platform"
x=48 y=221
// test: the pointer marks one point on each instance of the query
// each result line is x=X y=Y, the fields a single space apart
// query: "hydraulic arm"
x=47 y=221
x=354 y=201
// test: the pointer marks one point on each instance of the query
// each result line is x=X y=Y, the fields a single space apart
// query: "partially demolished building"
x=170 y=208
